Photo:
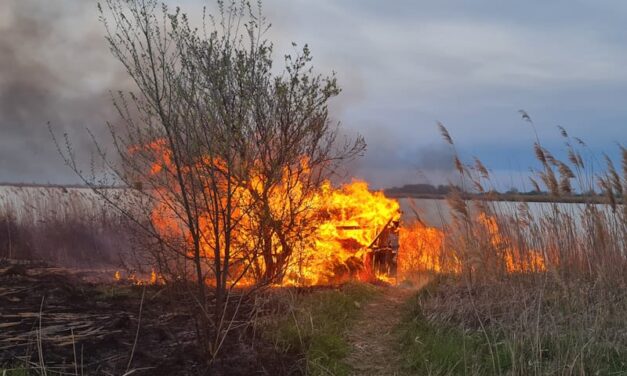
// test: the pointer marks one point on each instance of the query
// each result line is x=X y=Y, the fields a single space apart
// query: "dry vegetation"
x=64 y=226
x=231 y=154
x=519 y=291
x=529 y=292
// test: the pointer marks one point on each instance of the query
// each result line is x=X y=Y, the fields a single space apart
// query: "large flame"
x=421 y=249
x=351 y=218
x=424 y=248
x=332 y=234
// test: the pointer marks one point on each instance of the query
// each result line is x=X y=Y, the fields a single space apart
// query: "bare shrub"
x=219 y=153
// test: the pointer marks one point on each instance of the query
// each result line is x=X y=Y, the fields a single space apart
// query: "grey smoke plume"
x=386 y=164
x=54 y=67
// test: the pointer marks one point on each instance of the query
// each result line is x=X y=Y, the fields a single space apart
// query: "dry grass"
x=64 y=226
x=537 y=288
x=522 y=326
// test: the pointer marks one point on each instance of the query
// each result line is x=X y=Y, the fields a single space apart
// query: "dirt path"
x=374 y=346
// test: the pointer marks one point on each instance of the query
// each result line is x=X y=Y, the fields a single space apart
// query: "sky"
x=402 y=65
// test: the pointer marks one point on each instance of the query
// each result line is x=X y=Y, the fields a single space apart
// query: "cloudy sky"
x=403 y=65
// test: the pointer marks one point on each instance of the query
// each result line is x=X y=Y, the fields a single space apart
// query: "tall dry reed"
x=543 y=285
x=65 y=226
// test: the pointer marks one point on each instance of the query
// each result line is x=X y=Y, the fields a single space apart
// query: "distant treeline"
x=412 y=189
x=409 y=190
x=440 y=191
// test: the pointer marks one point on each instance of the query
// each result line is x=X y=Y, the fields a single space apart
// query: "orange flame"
x=516 y=260
x=332 y=237
x=350 y=219
x=334 y=229
x=424 y=248
x=132 y=278
x=420 y=249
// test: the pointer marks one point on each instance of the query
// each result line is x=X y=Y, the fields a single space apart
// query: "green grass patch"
x=107 y=292
x=315 y=327
x=435 y=349
x=441 y=345
x=20 y=370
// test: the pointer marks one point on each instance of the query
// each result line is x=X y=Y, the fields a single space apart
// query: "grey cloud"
x=403 y=65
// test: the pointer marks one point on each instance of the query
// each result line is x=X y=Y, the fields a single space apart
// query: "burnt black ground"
x=94 y=324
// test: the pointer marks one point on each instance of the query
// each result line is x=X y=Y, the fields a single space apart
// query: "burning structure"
x=289 y=231
x=294 y=229
x=357 y=235
x=244 y=223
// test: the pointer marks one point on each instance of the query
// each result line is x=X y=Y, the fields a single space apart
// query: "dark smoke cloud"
x=400 y=67
x=54 y=68
x=388 y=164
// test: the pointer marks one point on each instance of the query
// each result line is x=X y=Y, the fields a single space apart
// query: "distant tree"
x=444 y=189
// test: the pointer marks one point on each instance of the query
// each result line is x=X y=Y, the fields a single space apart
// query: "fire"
x=421 y=249
x=516 y=260
x=132 y=278
x=153 y=277
x=334 y=234
x=424 y=248
x=349 y=220
x=315 y=236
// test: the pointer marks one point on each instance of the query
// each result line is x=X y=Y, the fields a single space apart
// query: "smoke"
x=432 y=158
x=391 y=161
x=55 y=68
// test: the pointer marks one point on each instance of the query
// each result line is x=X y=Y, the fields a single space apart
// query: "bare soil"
x=374 y=345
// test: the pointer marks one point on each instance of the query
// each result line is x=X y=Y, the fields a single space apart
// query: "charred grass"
x=52 y=322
